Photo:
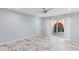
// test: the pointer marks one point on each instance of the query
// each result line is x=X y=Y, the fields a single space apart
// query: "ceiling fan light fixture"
x=45 y=10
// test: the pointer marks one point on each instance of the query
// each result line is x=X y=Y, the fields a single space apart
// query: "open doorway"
x=57 y=28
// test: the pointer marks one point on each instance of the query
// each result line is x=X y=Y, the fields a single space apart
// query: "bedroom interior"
x=39 y=29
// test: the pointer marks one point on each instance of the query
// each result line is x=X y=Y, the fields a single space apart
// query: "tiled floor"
x=59 y=34
x=41 y=43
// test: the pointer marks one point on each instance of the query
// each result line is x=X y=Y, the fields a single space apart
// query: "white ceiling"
x=52 y=12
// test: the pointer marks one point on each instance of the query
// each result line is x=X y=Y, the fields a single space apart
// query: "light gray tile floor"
x=41 y=43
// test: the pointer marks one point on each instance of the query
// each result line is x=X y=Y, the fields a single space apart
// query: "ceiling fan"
x=45 y=10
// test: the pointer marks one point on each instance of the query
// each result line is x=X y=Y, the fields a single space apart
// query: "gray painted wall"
x=14 y=25
x=75 y=27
